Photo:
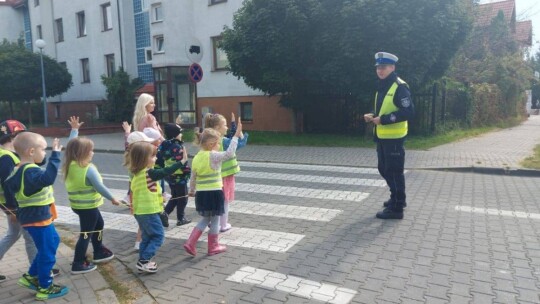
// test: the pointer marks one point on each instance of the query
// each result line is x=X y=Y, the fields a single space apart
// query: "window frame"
x=39 y=31
x=154 y=8
x=106 y=12
x=148 y=51
x=214 y=2
x=58 y=30
x=111 y=69
x=158 y=50
x=242 y=106
x=85 y=70
x=81 y=29
x=215 y=48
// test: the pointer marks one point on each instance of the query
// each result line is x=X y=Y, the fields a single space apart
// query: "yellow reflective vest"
x=206 y=178
x=145 y=201
x=42 y=198
x=394 y=130
x=16 y=161
x=81 y=195
x=230 y=166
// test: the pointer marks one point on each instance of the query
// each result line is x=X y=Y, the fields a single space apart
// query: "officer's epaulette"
x=401 y=82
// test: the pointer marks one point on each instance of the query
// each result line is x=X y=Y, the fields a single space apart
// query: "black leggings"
x=179 y=200
x=90 y=220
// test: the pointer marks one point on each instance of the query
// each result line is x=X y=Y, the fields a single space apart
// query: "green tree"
x=120 y=95
x=20 y=74
x=305 y=50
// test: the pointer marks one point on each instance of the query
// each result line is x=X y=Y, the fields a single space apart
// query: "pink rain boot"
x=213 y=246
x=191 y=244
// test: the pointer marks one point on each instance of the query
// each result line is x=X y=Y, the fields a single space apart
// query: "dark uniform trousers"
x=391 y=162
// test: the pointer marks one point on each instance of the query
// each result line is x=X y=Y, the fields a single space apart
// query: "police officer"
x=393 y=107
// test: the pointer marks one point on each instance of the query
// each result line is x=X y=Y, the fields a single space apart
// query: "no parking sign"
x=195 y=72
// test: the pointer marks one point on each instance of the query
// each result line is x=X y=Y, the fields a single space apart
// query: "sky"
x=527 y=10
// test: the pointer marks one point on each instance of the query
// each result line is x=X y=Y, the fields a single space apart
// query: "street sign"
x=195 y=72
x=194 y=51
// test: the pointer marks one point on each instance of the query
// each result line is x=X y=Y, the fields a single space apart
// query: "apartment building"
x=155 y=40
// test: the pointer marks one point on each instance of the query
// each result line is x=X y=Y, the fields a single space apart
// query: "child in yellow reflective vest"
x=207 y=186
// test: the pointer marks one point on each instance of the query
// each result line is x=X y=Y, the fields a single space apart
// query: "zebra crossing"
x=301 y=184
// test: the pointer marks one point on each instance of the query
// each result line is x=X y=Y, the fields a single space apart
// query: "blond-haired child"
x=29 y=190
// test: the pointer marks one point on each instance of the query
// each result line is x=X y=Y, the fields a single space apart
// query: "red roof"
x=524 y=32
x=486 y=12
x=148 y=88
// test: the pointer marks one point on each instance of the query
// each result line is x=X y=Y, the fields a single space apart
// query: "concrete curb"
x=487 y=170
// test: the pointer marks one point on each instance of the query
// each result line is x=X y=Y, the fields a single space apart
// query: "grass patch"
x=532 y=162
x=123 y=293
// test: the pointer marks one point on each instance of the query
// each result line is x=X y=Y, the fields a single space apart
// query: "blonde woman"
x=142 y=117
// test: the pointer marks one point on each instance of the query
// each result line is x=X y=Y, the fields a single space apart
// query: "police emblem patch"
x=392 y=117
x=406 y=102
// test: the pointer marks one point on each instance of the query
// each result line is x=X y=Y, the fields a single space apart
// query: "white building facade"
x=155 y=40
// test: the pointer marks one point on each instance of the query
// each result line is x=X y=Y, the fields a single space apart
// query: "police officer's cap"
x=385 y=58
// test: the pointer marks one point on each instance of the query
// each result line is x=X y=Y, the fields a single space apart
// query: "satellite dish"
x=194 y=51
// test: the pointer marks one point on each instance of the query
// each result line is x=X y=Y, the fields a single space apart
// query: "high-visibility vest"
x=207 y=178
x=44 y=197
x=81 y=195
x=16 y=161
x=230 y=166
x=395 y=130
x=143 y=200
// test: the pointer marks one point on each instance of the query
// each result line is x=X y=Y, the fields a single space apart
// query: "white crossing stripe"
x=241 y=237
x=518 y=214
x=294 y=285
x=314 y=178
x=309 y=167
x=303 y=192
x=356 y=196
x=265 y=209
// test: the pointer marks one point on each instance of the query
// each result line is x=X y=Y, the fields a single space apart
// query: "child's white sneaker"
x=147 y=266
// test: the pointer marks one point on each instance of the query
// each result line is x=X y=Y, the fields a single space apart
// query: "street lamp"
x=40 y=43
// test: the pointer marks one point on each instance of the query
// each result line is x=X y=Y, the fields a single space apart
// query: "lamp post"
x=40 y=43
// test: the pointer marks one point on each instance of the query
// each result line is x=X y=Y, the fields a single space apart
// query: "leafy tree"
x=20 y=74
x=306 y=50
x=120 y=92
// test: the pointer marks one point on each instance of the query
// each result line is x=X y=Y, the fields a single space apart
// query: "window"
x=85 y=68
x=157 y=12
x=159 y=44
x=38 y=32
x=36 y=2
x=212 y=2
x=246 y=111
x=148 y=54
x=59 y=30
x=106 y=15
x=57 y=111
x=81 y=24
x=144 y=5
x=109 y=61
x=220 y=57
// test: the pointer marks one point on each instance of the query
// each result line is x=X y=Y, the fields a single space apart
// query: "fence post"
x=433 y=100
x=443 y=102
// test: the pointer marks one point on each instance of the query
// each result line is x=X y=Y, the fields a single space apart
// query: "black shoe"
x=103 y=255
x=164 y=217
x=387 y=203
x=389 y=213
x=82 y=267
x=183 y=221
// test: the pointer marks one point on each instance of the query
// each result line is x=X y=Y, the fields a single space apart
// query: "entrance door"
x=175 y=95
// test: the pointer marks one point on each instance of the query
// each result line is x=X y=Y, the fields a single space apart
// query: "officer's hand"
x=376 y=120
x=368 y=117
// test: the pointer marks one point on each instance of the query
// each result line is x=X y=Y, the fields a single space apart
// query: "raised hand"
x=239 y=133
x=126 y=126
x=56 y=146
x=232 y=117
x=74 y=122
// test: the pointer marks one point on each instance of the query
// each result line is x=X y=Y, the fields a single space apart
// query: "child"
x=206 y=181
x=147 y=201
x=30 y=190
x=230 y=167
x=170 y=151
x=85 y=193
x=8 y=161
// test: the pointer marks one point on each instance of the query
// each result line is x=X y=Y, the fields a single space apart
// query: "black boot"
x=387 y=203
x=390 y=213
